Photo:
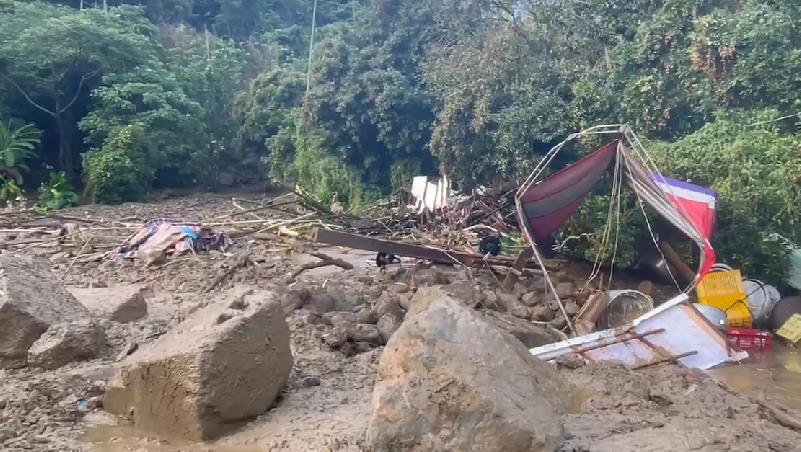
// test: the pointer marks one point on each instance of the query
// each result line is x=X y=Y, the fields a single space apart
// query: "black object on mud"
x=490 y=245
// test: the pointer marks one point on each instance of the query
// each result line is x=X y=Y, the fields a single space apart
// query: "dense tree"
x=51 y=58
x=141 y=94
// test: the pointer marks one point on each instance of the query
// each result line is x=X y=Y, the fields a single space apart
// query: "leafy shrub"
x=756 y=169
x=118 y=171
x=17 y=144
x=57 y=193
x=10 y=192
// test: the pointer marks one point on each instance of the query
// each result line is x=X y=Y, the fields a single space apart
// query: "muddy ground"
x=326 y=405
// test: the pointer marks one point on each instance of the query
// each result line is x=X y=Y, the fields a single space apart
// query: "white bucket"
x=761 y=298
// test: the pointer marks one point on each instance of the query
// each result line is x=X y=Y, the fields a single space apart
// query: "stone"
x=320 y=303
x=294 y=299
x=310 y=382
x=540 y=313
x=520 y=289
x=340 y=318
x=366 y=315
x=388 y=304
x=397 y=288
x=65 y=343
x=203 y=379
x=530 y=299
x=344 y=300
x=405 y=300
x=121 y=303
x=558 y=322
x=582 y=296
x=450 y=380
x=387 y=325
x=571 y=307
x=491 y=298
x=364 y=333
x=336 y=337
x=571 y=361
x=529 y=334
x=507 y=301
x=32 y=299
x=462 y=290
x=565 y=289
x=520 y=311
x=363 y=347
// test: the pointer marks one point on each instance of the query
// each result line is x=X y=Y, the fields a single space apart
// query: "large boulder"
x=450 y=381
x=31 y=300
x=67 y=342
x=222 y=366
x=121 y=303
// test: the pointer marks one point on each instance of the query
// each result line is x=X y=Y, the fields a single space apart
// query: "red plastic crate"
x=749 y=339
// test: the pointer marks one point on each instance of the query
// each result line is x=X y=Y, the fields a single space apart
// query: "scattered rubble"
x=438 y=386
x=338 y=322
x=222 y=366
x=31 y=300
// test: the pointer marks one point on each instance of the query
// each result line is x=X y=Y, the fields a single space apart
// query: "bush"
x=118 y=172
x=756 y=169
x=57 y=193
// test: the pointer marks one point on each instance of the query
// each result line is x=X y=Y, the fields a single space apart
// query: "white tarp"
x=430 y=195
x=673 y=329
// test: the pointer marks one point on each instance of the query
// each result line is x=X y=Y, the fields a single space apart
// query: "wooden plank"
x=361 y=242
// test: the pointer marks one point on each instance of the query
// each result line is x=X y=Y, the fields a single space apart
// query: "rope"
x=619 y=198
x=653 y=238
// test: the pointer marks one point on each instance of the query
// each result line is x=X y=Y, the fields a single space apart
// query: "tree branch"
x=84 y=78
x=25 y=95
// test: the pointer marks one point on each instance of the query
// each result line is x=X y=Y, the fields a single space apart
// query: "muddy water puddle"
x=124 y=438
x=774 y=375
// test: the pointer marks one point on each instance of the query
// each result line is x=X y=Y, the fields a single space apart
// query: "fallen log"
x=325 y=261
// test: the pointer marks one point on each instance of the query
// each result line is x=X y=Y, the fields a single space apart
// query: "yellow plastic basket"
x=791 y=330
x=725 y=290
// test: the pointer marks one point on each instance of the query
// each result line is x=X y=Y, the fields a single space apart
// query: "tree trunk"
x=65 y=144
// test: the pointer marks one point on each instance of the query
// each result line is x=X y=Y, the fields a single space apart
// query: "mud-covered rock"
x=32 y=299
x=364 y=333
x=387 y=325
x=222 y=366
x=65 y=343
x=388 y=304
x=336 y=337
x=565 y=289
x=341 y=318
x=449 y=380
x=367 y=315
x=120 y=303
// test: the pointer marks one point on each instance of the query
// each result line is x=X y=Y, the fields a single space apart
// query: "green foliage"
x=10 y=192
x=17 y=144
x=756 y=170
x=268 y=113
x=120 y=170
x=57 y=193
x=6 y=6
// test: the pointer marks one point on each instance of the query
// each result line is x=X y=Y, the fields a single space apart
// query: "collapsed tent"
x=545 y=204
x=172 y=237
